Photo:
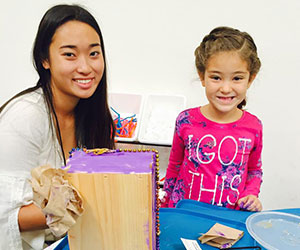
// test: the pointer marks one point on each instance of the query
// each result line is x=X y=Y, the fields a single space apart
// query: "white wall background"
x=150 y=45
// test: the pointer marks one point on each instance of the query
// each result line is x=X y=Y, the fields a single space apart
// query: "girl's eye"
x=237 y=78
x=216 y=78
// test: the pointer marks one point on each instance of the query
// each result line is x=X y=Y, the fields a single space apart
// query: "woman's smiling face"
x=75 y=61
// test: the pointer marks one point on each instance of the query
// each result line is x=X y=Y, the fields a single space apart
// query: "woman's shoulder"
x=28 y=105
x=26 y=118
x=26 y=115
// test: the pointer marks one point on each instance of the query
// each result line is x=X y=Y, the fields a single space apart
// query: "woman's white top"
x=27 y=140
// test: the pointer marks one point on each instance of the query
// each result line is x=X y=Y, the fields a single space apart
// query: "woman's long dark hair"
x=94 y=126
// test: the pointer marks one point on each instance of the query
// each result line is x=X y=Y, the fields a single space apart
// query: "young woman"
x=67 y=108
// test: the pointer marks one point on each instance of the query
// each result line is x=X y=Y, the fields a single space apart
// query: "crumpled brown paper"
x=59 y=201
x=221 y=236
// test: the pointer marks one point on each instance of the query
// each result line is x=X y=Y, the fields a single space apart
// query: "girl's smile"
x=225 y=99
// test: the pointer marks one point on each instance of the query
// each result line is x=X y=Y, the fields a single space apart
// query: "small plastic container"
x=275 y=230
x=126 y=105
x=158 y=119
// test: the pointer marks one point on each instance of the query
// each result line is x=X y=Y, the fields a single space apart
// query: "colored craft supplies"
x=126 y=126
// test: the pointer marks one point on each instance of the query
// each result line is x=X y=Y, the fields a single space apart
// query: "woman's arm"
x=31 y=218
x=21 y=146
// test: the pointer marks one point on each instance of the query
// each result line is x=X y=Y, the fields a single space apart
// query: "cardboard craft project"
x=221 y=236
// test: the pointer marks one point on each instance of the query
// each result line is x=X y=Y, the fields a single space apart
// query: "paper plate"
x=275 y=230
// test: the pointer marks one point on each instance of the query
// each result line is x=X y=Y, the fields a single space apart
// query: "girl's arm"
x=30 y=218
x=175 y=160
x=254 y=175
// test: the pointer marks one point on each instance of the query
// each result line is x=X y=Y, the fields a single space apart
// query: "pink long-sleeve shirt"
x=213 y=162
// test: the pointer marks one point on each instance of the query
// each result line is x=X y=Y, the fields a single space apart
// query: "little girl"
x=216 y=152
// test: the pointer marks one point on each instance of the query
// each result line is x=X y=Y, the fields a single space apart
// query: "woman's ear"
x=251 y=79
x=46 y=64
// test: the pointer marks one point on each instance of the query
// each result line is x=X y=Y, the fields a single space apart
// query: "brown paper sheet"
x=59 y=201
x=221 y=236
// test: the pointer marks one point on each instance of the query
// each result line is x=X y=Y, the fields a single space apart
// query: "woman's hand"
x=250 y=203
x=31 y=218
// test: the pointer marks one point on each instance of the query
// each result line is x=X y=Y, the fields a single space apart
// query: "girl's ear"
x=46 y=64
x=201 y=76
x=251 y=79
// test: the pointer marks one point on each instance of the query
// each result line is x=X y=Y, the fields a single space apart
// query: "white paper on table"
x=190 y=244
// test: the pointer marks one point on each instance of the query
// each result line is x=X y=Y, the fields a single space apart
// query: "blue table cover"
x=191 y=218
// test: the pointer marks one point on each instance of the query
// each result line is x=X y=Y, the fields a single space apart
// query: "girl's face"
x=226 y=80
x=75 y=61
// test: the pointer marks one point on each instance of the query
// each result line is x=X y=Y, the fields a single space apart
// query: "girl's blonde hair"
x=223 y=39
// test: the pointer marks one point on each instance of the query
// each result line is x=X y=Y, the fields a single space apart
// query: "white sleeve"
x=21 y=139
x=14 y=191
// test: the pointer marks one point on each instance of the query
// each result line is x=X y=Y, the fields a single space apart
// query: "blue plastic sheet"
x=191 y=218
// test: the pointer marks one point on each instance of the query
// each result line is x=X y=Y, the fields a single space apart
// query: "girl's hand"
x=250 y=203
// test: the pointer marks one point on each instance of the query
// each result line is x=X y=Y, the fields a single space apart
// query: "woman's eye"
x=94 y=53
x=68 y=54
